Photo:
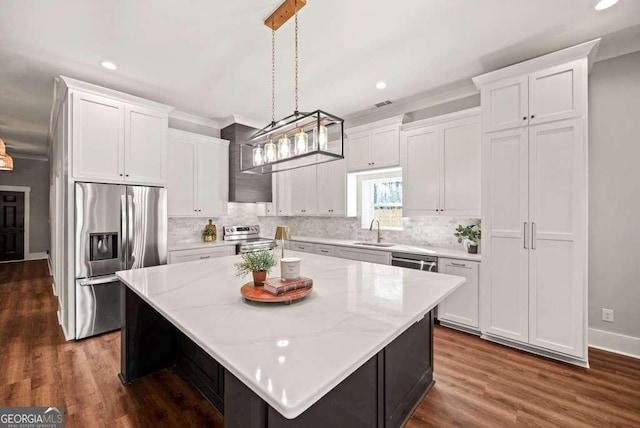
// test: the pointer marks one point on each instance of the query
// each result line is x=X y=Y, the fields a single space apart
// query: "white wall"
x=614 y=194
x=34 y=174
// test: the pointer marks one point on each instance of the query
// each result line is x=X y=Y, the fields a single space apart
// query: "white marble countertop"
x=434 y=251
x=291 y=356
x=200 y=244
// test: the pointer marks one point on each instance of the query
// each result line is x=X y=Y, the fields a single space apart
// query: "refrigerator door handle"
x=130 y=237
x=123 y=232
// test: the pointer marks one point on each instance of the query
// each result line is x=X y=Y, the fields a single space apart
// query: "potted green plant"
x=209 y=235
x=259 y=263
x=469 y=235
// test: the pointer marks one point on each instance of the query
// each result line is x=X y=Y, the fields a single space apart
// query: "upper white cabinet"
x=440 y=159
x=552 y=93
x=283 y=193
x=375 y=145
x=304 y=190
x=116 y=137
x=461 y=307
x=534 y=208
x=332 y=188
x=97 y=137
x=145 y=151
x=198 y=175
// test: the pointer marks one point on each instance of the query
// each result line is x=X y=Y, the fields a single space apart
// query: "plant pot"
x=209 y=238
x=259 y=278
x=473 y=249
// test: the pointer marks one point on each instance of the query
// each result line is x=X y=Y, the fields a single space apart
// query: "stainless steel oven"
x=415 y=261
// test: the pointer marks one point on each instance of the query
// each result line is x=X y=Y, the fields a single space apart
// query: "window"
x=381 y=198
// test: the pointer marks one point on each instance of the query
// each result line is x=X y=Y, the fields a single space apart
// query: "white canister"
x=290 y=268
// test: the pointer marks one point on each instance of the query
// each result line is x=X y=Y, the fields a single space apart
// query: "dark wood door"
x=11 y=226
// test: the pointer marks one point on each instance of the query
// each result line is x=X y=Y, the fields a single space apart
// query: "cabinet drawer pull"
x=204 y=257
x=458 y=264
x=534 y=236
x=526 y=244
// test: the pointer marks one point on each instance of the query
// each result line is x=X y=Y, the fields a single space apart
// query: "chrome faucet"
x=371 y=229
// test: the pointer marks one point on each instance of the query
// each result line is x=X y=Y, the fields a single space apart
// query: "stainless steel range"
x=248 y=238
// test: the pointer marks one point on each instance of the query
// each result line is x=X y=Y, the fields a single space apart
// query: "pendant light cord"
x=296 y=61
x=273 y=77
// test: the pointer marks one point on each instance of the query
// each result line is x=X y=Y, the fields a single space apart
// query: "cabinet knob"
x=532 y=116
x=524 y=118
x=121 y=175
x=127 y=175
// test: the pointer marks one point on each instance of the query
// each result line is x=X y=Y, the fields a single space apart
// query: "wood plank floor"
x=478 y=383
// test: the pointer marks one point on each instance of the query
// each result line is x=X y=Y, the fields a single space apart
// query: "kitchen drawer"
x=325 y=250
x=182 y=256
x=305 y=247
x=371 y=256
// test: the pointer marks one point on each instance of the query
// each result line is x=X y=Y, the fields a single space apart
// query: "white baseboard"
x=614 y=342
x=38 y=256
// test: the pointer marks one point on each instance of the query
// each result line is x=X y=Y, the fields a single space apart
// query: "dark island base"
x=383 y=392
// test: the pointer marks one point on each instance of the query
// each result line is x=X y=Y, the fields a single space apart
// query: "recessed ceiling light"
x=605 y=4
x=381 y=85
x=108 y=65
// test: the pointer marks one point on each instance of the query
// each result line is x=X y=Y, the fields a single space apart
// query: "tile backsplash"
x=421 y=231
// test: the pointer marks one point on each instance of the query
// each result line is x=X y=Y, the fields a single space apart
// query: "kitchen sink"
x=374 y=244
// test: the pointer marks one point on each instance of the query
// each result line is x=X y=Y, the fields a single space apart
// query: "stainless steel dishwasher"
x=415 y=261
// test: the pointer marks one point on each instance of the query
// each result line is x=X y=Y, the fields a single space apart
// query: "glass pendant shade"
x=258 y=156
x=270 y=153
x=321 y=136
x=284 y=147
x=301 y=142
x=6 y=161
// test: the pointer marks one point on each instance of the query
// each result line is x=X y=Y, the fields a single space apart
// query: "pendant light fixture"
x=303 y=138
x=6 y=161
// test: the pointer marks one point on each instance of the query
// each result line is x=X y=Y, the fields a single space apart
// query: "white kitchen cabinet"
x=558 y=93
x=505 y=225
x=181 y=256
x=440 y=159
x=534 y=190
x=117 y=141
x=145 y=136
x=359 y=151
x=332 y=188
x=283 y=194
x=182 y=198
x=325 y=250
x=304 y=247
x=304 y=191
x=505 y=104
x=97 y=137
x=198 y=184
x=375 y=145
x=371 y=256
x=461 y=307
x=557 y=256
x=553 y=93
x=421 y=162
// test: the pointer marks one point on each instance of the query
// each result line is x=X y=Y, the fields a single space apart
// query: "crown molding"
x=100 y=90
x=457 y=115
x=193 y=118
x=242 y=120
x=587 y=49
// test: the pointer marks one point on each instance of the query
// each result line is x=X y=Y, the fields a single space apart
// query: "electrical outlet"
x=607 y=315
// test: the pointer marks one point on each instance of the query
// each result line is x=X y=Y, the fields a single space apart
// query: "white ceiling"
x=212 y=58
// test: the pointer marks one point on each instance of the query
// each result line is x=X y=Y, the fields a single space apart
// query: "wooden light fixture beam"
x=283 y=13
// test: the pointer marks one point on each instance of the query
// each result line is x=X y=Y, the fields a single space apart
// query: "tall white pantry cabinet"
x=533 y=292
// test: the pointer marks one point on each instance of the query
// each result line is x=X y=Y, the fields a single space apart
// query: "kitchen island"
x=358 y=351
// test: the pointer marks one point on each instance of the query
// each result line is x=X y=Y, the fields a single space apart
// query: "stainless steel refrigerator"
x=118 y=227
